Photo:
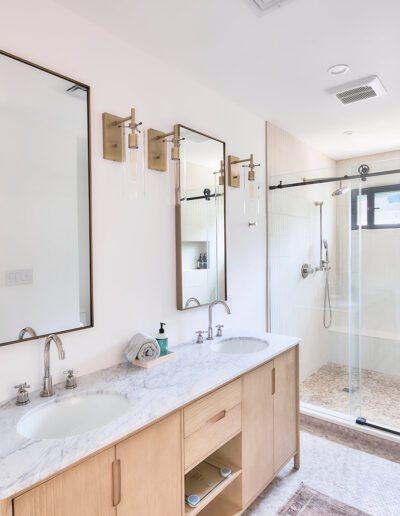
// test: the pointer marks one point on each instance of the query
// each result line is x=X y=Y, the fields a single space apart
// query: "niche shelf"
x=225 y=498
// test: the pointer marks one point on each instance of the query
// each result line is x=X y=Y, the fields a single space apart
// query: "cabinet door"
x=286 y=407
x=151 y=470
x=85 y=489
x=257 y=431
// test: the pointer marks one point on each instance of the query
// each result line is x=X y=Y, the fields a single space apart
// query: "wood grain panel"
x=84 y=490
x=214 y=434
x=200 y=412
x=151 y=470
x=285 y=407
x=257 y=431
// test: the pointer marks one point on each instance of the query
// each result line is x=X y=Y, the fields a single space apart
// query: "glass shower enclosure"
x=334 y=281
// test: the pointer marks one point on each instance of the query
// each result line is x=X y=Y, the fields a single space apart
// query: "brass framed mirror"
x=45 y=204
x=200 y=219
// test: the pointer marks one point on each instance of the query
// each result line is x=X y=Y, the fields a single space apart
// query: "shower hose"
x=327 y=302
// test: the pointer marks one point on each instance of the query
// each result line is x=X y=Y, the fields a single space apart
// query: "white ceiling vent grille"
x=262 y=6
x=362 y=89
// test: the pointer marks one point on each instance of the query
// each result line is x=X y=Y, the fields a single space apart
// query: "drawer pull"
x=218 y=417
x=116 y=479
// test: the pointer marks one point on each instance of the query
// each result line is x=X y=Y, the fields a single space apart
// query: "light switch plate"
x=19 y=277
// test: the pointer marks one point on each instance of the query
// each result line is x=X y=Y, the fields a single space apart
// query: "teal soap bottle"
x=162 y=340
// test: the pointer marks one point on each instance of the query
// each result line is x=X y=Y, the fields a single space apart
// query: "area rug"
x=309 y=502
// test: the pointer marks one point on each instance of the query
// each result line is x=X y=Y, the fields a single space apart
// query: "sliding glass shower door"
x=375 y=264
x=334 y=281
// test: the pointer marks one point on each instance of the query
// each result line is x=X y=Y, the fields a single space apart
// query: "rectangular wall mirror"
x=45 y=258
x=200 y=220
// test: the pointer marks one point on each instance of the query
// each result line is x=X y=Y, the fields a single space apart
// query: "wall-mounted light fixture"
x=234 y=170
x=114 y=132
x=157 y=148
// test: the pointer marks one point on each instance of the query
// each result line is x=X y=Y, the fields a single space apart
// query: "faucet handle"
x=200 y=338
x=70 y=381
x=22 y=394
x=219 y=329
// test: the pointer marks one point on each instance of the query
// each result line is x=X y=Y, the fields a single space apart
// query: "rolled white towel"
x=142 y=347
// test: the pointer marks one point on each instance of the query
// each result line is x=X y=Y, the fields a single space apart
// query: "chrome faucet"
x=47 y=380
x=192 y=300
x=30 y=331
x=210 y=335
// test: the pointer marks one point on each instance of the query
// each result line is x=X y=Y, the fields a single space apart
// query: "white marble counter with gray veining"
x=152 y=393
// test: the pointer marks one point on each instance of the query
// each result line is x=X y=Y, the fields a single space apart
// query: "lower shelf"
x=221 y=507
x=213 y=495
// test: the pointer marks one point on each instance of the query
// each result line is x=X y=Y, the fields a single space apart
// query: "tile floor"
x=356 y=478
x=380 y=393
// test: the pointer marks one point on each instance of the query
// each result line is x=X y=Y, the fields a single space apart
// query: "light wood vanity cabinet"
x=258 y=431
x=84 y=489
x=251 y=425
x=151 y=470
x=270 y=422
x=286 y=409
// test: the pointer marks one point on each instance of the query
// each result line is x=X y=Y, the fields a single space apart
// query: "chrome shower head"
x=341 y=190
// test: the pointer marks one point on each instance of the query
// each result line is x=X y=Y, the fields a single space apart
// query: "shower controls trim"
x=306 y=270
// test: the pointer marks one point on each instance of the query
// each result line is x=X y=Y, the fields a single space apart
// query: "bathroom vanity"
x=233 y=410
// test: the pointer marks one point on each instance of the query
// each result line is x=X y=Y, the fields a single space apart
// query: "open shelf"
x=216 y=491
x=223 y=499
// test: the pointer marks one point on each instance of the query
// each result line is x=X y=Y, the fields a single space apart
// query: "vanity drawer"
x=211 y=421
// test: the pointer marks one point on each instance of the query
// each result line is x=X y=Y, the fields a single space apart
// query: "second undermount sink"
x=72 y=415
x=239 y=345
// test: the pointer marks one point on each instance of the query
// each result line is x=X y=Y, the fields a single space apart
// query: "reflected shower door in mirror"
x=201 y=252
x=45 y=259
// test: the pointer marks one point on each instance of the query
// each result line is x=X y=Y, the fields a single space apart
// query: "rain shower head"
x=341 y=190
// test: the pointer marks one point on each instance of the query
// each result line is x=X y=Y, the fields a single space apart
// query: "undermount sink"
x=239 y=345
x=72 y=415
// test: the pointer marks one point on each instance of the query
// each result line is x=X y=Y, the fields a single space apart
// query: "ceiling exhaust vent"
x=362 y=89
x=263 y=6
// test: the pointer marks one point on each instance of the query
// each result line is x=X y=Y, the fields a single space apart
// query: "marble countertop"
x=152 y=393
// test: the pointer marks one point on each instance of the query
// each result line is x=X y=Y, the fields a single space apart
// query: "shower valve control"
x=306 y=270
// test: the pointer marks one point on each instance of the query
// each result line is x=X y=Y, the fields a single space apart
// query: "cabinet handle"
x=218 y=417
x=273 y=380
x=116 y=480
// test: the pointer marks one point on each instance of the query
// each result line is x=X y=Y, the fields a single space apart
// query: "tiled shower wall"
x=296 y=304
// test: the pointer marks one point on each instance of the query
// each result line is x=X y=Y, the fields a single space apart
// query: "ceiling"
x=276 y=65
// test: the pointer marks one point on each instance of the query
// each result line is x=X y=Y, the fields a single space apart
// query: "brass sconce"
x=234 y=170
x=157 y=148
x=113 y=135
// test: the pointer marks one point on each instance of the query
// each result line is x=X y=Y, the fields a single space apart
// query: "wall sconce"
x=234 y=170
x=113 y=135
x=157 y=148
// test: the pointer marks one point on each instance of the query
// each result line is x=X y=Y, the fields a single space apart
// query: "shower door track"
x=333 y=179
x=362 y=421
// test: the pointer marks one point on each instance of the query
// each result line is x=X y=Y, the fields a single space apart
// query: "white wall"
x=293 y=223
x=134 y=239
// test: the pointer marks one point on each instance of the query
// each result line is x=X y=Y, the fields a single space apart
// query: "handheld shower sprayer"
x=325 y=244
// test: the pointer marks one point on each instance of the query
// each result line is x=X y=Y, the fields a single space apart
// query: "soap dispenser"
x=162 y=340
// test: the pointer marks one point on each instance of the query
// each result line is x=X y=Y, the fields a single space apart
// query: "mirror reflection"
x=45 y=272
x=200 y=220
